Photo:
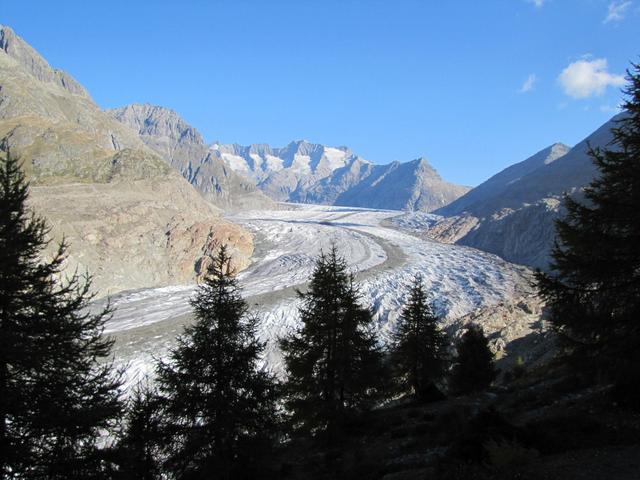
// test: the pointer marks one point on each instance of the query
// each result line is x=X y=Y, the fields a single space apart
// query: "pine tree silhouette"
x=419 y=349
x=593 y=287
x=57 y=392
x=333 y=362
x=474 y=368
x=139 y=448
x=219 y=408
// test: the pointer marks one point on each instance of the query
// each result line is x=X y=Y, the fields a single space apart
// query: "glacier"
x=381 y=248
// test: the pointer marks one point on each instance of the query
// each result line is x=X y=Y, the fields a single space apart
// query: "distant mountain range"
x=312 y=173
x=234 y=176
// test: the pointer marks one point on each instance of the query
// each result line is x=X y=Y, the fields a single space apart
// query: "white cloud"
x=537 y=3
x=617 y=10
x=527 y=86
x=586 y=78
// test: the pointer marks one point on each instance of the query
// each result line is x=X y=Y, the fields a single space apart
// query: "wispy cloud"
x=537 y=3
x=586 y=78
x=527 y=86
x=617 y=10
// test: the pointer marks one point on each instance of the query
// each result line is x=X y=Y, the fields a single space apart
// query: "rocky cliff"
x=130 y=219
x=182 y=147
x=413 y=185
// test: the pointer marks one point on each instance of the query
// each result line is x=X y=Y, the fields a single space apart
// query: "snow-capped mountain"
x=306 y=159
x=285 y=173
x=313 y=173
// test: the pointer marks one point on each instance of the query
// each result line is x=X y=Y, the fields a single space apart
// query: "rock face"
x=517 y=328
x=512 y=214
x=182 y=146
x=129 y=218
x=409 y=186
x=284 y=174
x=33 y=63
x=312 y=173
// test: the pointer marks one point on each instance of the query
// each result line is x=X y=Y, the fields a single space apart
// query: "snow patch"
x=235 y=162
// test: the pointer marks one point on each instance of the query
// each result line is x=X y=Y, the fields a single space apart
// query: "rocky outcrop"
x=312 y=173
x=182 y=147
x=517 y=328
x=129 y=218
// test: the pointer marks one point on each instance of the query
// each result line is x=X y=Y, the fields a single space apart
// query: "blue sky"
x=472 y=85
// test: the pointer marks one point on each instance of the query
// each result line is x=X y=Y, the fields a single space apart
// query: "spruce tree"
x=58 y=393
x=333 y=362
x=219 y=408
x=593 y=286
x=474 y=366
x=139 y=448
x=419 y=349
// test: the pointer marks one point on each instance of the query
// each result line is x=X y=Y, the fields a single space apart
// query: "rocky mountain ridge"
x=480 y=198
x=513 y=213
x=129 y=218
x=37 y=66
x=182 y=147
x=233 y=176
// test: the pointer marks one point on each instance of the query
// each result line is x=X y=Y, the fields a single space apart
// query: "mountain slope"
x=516 y=220
x=410 y=186
x=476 y=199
x=182 y=146
x=129 y=218
x=37 y=66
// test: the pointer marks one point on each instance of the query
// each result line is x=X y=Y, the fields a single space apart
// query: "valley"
x=383 y=257
x=418 y=279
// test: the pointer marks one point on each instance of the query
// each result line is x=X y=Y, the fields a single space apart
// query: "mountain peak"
x=422 y=166
x=556 y=151
x=422 y=161
x=15 y=47
x=156 y=120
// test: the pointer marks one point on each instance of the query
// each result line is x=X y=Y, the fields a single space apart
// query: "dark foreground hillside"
x=547 y=425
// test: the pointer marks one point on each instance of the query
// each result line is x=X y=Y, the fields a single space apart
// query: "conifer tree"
x=218 y=406
x=57 y=392
x=333 y=362
x=419 y=349
x=474 y=366
x=139 y=448
x=593 y=287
